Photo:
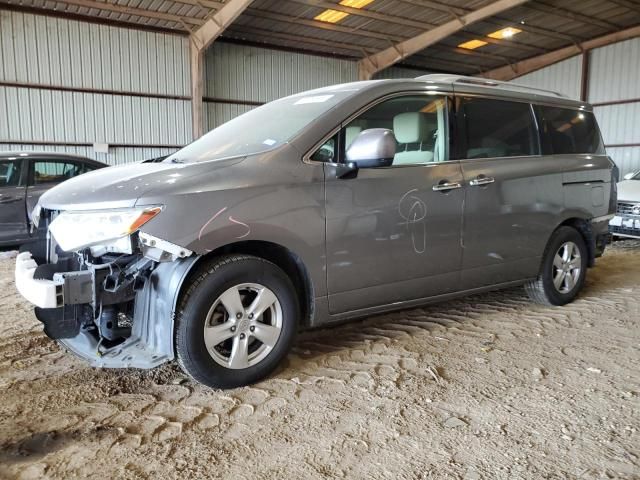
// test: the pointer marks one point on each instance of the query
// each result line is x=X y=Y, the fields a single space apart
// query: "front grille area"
x=625 y=208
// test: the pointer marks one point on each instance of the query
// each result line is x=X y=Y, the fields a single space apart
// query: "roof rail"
x=494 y=83
x=487 y=82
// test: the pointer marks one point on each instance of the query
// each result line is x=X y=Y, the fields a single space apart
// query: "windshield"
x=265 y=127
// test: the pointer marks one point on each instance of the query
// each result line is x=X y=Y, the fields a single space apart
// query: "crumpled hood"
x=122 y=186
x=629 y=190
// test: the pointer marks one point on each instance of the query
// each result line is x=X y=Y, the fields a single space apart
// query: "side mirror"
x=373 y=148
x=630 y=175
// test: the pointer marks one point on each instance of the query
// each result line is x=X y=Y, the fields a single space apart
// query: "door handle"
x=445 y=186
x=479 y=181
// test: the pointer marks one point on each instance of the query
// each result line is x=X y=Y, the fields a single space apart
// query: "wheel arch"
x=583 y=226
x=277 y=254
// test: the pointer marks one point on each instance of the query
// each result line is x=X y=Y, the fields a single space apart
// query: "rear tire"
x=235 y=321
x=563 y=270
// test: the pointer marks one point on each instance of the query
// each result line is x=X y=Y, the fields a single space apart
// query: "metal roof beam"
x=138 y=12
x=213 y=27
x=262 y=33
x=518 y=69
x=360 y=32
x=438 y=6
x=362 y=12
x=543 y=32
x=408 y=22
x=204 y=4
x=568 y=14
x=439 y=64
x=501 y=42
x=495 y=20
x=374 y=63
x=634 y=7
x=321 y=25
x=199 y=40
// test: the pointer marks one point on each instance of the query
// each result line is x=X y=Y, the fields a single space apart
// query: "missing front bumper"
x=66 y=303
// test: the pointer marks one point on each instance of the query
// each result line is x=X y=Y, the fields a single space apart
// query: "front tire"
x=235 y=322
x=563 y=270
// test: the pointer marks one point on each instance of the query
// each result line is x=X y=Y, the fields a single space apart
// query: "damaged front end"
x=104 y=289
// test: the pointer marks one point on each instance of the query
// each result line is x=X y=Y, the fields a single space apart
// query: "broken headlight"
x=76 y=230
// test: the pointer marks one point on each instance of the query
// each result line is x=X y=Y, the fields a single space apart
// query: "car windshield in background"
x=263 y=128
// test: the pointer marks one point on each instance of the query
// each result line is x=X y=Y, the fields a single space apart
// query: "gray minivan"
x=327 y=205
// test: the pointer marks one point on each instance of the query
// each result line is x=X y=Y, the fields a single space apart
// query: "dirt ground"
x=487 y=387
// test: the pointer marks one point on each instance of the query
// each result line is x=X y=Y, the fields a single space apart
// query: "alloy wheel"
x=567 y=267
x=243 y=325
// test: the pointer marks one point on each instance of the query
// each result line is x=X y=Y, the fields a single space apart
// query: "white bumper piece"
x=42 y=293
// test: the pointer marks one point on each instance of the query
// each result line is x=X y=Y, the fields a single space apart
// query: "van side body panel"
x=508 y=223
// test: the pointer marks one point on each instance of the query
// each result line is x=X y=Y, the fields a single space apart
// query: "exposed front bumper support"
x=40 y=292
x=151 y=340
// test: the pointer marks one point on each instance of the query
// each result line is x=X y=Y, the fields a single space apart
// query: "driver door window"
x=10 y=173
x=52 y=171
x=419 y=124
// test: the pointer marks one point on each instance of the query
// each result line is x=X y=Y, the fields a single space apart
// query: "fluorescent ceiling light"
x=334 y=16
x=503 y=33
x=472 y=44
x=355 y=3
x=331 y=16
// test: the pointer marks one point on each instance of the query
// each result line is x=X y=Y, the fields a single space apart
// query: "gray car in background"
x=320 y=207
x=24 y=177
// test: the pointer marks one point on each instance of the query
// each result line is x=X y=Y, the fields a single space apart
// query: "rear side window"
x=566 y=131
x=54 y=171
x=10 y=173
x=496 y=128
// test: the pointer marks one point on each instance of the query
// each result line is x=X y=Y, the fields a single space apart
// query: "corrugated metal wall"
x=562 y=77
x=614 y=71
x=400 y=72
x=245 y=73
x=614 y=76
x=65 y=85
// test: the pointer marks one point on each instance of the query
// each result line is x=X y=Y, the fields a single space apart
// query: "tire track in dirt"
x=375 y=395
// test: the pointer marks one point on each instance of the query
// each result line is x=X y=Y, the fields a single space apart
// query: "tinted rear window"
x=566 y=131
x=497 y=128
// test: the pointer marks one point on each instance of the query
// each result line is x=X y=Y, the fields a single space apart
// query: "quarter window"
x=10 y=173
x=328 y=151
x=566 y=131
x=497 y=128
x=419 y=124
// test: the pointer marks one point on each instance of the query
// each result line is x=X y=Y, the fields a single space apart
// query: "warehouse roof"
x=361 y=28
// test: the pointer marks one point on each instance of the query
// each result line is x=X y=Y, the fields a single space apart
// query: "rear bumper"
x=600 y=236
